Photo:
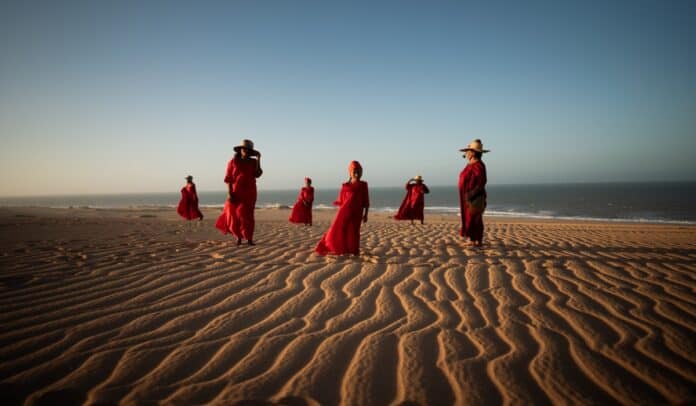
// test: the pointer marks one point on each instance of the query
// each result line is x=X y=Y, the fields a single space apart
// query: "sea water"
x=640 y=202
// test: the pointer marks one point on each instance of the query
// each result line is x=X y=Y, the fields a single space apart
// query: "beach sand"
x=138 y=306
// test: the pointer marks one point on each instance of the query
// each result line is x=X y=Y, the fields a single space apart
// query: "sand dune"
x=139 y=307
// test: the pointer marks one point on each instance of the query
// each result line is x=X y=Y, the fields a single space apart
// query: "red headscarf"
x=354 y=165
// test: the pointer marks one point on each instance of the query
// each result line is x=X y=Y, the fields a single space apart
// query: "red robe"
x=188 y=205
x=472 y=182
x=302 y=210
x=414 y=202
x=238 y=215
x=343 y=237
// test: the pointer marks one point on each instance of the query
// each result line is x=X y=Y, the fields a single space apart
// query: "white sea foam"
x=668 y=203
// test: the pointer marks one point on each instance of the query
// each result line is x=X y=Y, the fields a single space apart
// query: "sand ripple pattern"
x=546 y=313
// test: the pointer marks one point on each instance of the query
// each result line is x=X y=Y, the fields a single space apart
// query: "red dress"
x=472 y=182
x=414 y=202
x=188 y=205
x=238 y=215
x=302 y=210
x=343 y=237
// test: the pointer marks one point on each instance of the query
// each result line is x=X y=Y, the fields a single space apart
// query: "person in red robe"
x=472 y=194
x=414 y=202
x=343 y=237
x=302 y=210
x=238 y=215
x=188 y=205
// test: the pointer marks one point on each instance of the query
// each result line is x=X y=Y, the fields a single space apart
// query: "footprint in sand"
x=217 y=255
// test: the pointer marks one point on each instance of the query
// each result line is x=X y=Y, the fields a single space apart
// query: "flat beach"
x=139 y=307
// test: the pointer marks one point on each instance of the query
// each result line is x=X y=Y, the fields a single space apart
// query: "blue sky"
x=109 y=97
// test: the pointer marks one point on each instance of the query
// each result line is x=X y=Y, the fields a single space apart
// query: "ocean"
x=635 y=202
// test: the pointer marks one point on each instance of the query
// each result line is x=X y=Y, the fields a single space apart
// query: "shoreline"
x=387 y=213
x=641 y=203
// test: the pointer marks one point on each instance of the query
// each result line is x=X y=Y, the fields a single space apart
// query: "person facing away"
x=343 y=236
x=413 y=205
x=302 y=210
x=238 y=215
x=188 y=205
x=472 y=193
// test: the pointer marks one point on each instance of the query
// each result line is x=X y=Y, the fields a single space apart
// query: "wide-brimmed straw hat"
x=475 y=146
x=418 y=177
x=248 y=144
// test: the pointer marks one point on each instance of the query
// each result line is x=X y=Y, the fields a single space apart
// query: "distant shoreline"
x=660 y=203
x=335 y=188
x=387 y=214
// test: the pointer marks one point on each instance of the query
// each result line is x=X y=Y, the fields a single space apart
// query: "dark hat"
x=247 y=144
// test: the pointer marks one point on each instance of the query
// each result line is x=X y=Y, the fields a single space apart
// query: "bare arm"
x=229 y=192
x=258 y=171
x=366 y=204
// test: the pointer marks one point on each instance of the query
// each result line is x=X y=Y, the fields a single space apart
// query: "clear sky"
x=102 y=97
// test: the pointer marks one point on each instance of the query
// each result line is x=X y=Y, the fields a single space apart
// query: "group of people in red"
x=343 y=236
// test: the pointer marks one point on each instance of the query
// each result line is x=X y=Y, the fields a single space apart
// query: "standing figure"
x=414 y=202
x=238 y=215
x=472 y=193
x=188 y=205
x=302 y=210
x=343 y=237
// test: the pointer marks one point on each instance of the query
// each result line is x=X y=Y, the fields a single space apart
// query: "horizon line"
x=336 y=188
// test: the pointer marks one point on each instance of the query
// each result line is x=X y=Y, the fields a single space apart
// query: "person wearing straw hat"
x=472 y=193
x=343 y=237
x=188 y=205
x=302 y=210
x=238 y=215
x=413 y=205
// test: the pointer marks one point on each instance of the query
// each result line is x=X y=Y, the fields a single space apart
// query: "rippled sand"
x=139 y=307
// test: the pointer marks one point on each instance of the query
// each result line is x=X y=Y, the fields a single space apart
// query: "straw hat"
x=475 y=146
x=248 y=144
x=418 y=177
